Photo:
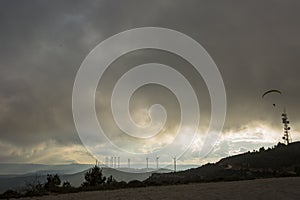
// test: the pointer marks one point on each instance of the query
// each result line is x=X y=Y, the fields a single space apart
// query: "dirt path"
x=280 y=188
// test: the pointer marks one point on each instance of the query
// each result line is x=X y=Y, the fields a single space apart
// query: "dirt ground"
x=279 y=188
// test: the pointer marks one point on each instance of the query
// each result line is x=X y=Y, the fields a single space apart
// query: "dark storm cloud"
x=35 y=76
x=255 y=44
x=42 y=46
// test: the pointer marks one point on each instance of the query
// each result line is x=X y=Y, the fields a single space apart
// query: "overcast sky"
x=255 y=45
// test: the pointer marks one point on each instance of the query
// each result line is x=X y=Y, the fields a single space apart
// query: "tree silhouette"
x=53 y=181
x=94 y=177
x=261 y=149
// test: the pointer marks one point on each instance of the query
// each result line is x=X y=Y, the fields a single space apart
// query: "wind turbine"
x=115 y=162
x=157 y=162
x=174 y=163
x=106 y=161
x=147 y=159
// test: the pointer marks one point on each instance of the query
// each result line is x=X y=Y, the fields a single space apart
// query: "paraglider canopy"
x=271 y=91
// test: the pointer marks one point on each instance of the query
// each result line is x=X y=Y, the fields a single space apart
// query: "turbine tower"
x=106 y=161
x=147 y=160
x=286 y=129
x=111 y=162
x=128 y=162
x=157 y=162
x=118 y=162
x=174 y=163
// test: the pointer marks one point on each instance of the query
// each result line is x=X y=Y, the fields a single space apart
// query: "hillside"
x=277 y=158
x=276 y=162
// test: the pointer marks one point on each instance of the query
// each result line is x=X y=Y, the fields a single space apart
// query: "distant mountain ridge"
x=17 y=180
x=27 y=168
x=24 y=168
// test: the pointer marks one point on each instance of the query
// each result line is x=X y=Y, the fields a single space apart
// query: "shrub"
x=53 y=182
x=111 y=181
x=66 y=184
x=136 y=183
x=10 y=194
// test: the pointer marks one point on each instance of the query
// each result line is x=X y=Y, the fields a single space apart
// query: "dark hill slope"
x=279 y=161
x=281 y=156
